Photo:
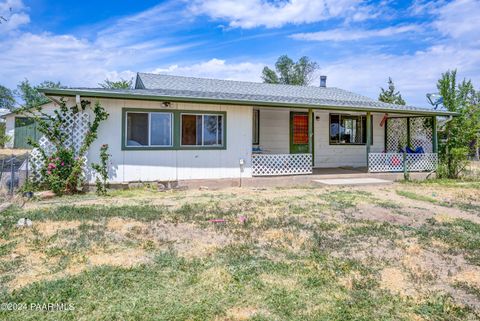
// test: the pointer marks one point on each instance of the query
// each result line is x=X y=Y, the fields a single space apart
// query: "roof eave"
x=117 y=95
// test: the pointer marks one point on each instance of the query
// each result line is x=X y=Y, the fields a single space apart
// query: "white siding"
x=10 y=129
x=151 y=165
x=327 y=155
x=275 y=130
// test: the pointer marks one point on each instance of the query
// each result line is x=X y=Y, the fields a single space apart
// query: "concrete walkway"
x=297 y=180
x=353 y=181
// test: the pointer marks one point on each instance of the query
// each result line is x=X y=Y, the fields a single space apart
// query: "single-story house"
x=172 y=128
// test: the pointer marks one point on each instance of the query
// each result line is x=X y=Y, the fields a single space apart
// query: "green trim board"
x=369 y=135
x=241 y=102
x=256 y=123
x=176 y=130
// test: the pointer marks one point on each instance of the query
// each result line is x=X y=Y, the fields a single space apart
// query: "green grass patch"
x=418 y=197
x=463 y=236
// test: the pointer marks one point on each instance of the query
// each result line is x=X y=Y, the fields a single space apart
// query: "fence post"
x=12 y=175
x=405 y=167
x=26 y=169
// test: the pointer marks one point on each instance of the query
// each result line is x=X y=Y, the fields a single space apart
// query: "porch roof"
x=201 y=90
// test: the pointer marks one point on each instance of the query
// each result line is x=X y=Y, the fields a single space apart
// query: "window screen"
x=137 y=129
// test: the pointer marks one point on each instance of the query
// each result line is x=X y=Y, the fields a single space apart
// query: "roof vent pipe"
x=323 y=81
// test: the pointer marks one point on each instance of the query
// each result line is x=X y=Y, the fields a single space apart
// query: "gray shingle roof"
x=189 y=89
x=254 y=91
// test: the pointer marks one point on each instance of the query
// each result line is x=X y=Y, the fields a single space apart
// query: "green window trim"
x=176 y=129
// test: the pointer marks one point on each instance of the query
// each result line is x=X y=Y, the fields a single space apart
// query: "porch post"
x=434 y=134
x=369 y=135
x=310 y=133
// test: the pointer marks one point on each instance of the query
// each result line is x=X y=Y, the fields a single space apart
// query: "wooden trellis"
x=76 y=127
x=409 y=131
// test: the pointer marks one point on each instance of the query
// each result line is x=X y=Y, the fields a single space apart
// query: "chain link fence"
x=14 y=172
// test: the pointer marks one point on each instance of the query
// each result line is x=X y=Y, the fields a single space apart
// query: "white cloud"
x=13 y=15
x=129 y=42
x=414 y=75
x=460 y=20
x=272 y=14
x=354 y=34
x=217 y=68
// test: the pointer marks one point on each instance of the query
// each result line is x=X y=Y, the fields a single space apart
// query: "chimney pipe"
x=323 y=81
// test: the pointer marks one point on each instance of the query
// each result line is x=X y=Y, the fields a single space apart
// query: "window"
x=201 y=130
x=149 y=129
x=348 y=129
x=256 y=127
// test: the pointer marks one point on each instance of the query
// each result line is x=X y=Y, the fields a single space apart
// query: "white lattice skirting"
x=281 y=164
x=393 y=162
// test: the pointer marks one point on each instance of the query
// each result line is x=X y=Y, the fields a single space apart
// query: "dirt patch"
x=242 y=313
x=49 y=228
x=124 y=258
x=394 y=280
x=38 y=267
x=291 y=240
x=470 y=276
x=375 y=213
x=188 y=239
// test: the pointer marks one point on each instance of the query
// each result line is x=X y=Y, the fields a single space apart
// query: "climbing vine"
x=102 y=170
x=62 y=170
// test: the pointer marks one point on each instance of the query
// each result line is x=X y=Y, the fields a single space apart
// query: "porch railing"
x=281 y=164
x=395 y=162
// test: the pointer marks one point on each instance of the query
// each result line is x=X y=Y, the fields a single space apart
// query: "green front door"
x=24 y=128
x=298 y=133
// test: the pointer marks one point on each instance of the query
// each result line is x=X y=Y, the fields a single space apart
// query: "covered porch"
x=312 y=141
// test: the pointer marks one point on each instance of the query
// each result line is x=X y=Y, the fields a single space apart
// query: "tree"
x=120 y=84
x=462 y=130
x=288 y=72
x=30 y=95
x=390 y=95
x=7 y=99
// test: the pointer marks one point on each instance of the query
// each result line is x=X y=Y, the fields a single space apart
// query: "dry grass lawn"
x=408 y=251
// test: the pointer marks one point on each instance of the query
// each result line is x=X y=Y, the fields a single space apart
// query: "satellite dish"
x=435 y=100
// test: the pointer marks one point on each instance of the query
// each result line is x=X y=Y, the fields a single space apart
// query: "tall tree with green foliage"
x=7 y=100
x=461 y=131
x=120 y=84
x=288 y=72
x=390 y=95
x=29 y=94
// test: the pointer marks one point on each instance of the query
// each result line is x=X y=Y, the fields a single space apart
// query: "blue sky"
x=358 y=44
